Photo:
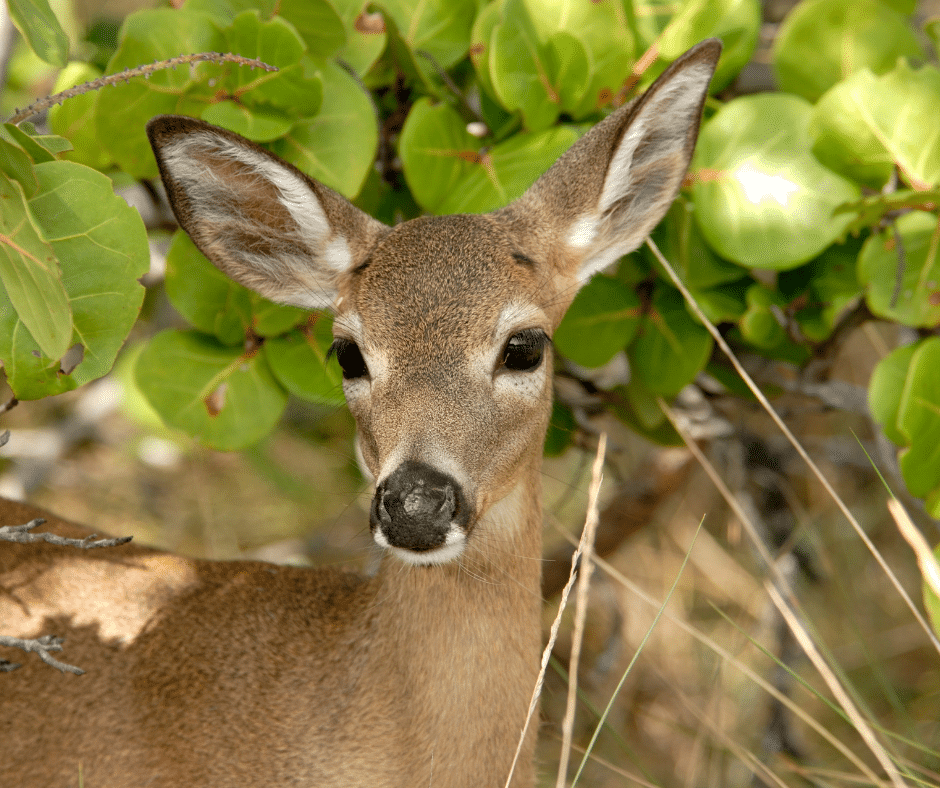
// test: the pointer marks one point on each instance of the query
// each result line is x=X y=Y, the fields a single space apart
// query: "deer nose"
x=417 y=506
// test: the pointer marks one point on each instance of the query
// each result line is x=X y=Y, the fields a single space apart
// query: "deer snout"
x=421 y=512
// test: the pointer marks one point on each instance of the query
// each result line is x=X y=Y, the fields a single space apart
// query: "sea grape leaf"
x=41 y=30
x=102 y=248
x=30 y=274
x=670 y=348
x=824 y=41
x=223 y=397
x=886 y=388
x=919 y=420
x=318 y=23
x=365 y=35
x=735 y=22
x=439 y=27
x=520 y=68
x=600 y=322
x=917 y=301
x=202 y=294
x=761 y=198
x=298 y=360
x=867 y=124
x=338 y=145
x=122 y=112
x=75 y=119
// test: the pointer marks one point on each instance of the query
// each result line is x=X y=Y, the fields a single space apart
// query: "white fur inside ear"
x=581 y=234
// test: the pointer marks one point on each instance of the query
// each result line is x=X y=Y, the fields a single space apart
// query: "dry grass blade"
x=758 y=680
x=581 y=602
x=781 y=425
x=929 y=567
x=835 y=687
x=592 y=514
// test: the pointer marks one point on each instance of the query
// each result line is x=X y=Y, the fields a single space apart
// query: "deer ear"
x=257 y=218
x=602 y=198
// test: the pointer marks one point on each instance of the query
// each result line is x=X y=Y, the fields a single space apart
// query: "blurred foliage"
x=807 y=210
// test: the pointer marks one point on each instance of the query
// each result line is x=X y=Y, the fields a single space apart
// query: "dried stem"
x=140 y=71
x=575 y=559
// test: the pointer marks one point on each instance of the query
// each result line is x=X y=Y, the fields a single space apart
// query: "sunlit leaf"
x=761 y=198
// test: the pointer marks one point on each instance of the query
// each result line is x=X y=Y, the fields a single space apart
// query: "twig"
x=575 y=559
x=21 y=535
x=580 y=611
x=929 y=566
x=140 y=71
x=41 y=646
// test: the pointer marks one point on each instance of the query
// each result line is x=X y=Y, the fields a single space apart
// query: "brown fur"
x=245 y=674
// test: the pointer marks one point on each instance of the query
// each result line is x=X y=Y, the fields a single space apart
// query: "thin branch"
x=41 y=646
x=21 y=535
x=140 y=71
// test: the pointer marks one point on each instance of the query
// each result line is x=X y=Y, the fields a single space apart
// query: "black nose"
x=416 y=506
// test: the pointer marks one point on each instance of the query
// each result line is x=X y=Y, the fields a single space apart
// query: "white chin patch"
x=453 y=546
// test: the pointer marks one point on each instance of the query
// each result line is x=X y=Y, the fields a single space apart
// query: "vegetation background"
x=808 y=233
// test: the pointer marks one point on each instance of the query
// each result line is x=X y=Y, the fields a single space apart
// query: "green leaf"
x=337 y=146
x=520 y=68
x=254 y=123
x=75 y=119
x=205 y=296
x=318 y=24
x=24 y=135
x=824 y=41
x=919 y=420
x=447 y=174
x=561 y=426
x=298 y=360
x=122 y=112
x=505 y=171
x=885 y=389
x=29 y=272
x=224 y=398
x=587 y=75
x=437 y=152
x=365 y=35
x=917 y=301
x=865 y=125
x=735 y=22
x=16 y=164
x=760 y=325
x=670 y=348
x=636 y=406
x=681 y=242
x=931 y=600
x=224 y=11
x=761 y=197
x=601 y=321
x=439 y=27
x=102 y=248
x=41 y=30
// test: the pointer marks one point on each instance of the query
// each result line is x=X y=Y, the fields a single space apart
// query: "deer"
x=202 y=673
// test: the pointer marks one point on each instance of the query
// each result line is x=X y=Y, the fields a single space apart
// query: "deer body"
x=244 y=674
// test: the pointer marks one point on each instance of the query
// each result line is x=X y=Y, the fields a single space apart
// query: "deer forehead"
x=447 y=284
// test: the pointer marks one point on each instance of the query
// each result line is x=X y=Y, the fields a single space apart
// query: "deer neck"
x=466 y=638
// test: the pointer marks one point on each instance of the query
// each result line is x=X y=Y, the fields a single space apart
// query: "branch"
x=140 y=71
x=41 y=646
x=20 y=534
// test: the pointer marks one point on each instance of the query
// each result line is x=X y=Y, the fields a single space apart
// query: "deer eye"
x=524 y=351
x=349 y=357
